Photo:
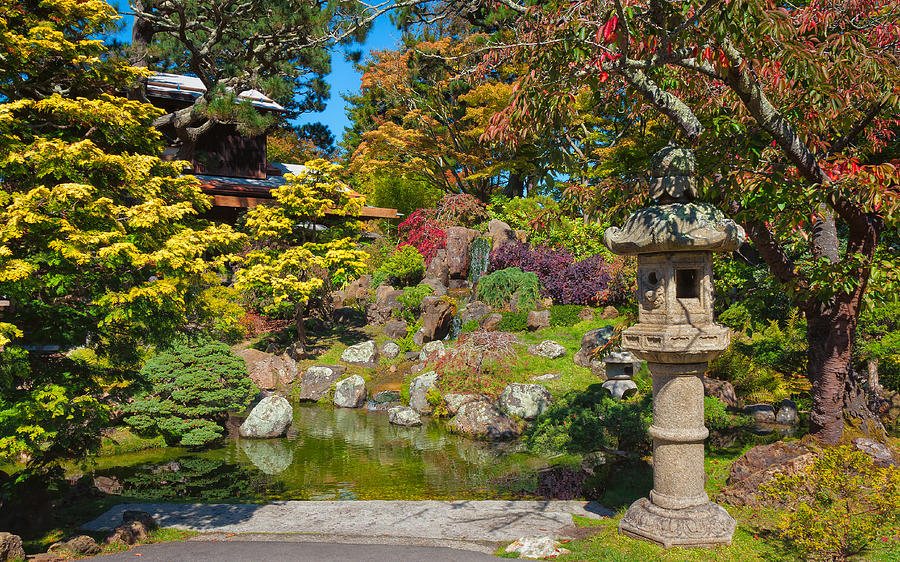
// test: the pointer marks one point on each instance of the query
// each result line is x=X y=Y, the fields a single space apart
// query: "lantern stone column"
x=677 y=336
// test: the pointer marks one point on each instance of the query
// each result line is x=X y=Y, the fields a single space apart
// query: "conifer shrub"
x=192 y=389
x=404 y=268
x=513 y=322
x=497 y=288
x=565 y=314
x=838 y=506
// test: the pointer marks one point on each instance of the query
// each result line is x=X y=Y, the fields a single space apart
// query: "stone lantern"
x=620 y=369
x=676 y=335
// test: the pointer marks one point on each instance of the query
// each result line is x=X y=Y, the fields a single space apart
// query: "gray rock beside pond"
x=526 y=401
x=270 y=418
x=364 y=354
x=404 y=415
x=787 y=413
x=418 y=391
x=761 y=413
x=350 y=392
x=453 y=402
x=483 y=420
x=318 y=379
x=390 y=350
x=547 y=348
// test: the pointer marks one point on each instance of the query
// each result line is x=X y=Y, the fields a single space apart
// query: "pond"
x=329 y=454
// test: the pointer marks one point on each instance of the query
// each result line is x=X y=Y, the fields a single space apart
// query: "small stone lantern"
x=676 y=335
x=620 y=369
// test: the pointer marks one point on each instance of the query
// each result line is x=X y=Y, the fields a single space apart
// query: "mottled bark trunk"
x=299 y=317
x=828 y=366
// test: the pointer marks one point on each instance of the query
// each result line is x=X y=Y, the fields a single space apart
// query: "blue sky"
x=343 y=78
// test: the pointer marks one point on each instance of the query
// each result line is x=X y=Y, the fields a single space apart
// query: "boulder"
x=396 y=329
x=270 y=418
x=404 y=415
x=350 y=392
x=108 y=485
x=586 y=314
x=390 y=350
x=458 y=241
x=143 y=517
x=526 y=401
x=267 y=370
x=476 y=310
x=411 y=355
x=537 y=548
x=483 y=420
x=547 y=377
x=357 y=291
x=432 y=351
x=81 y=545
x=128 y=534
x=620 y=388
x=419 y=338
x=609 y=313
x=349 y=316
x=438 y=288
x=538 y=319
x=297 y=352
x=881 y=455
x=418 y=391
x=501 y=234
x=761 y=413
x=318 y=379
x=787 y=413
x=491 y=322
x=363 y=354
x=723 y=390
x=270 y=457
x=453 y=402
x=11 y=547
x=547 y=348
x=591 y=344
x=386 y=297
x=759 y=466
x=437 y=315
x=437 y=268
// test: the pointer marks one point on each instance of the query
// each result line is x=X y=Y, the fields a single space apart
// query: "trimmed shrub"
x=497 y=289
x=566 y=281
x=193 y=387
x=565 y=314
x=411 y=299
x=404 y=268
x=514 y=322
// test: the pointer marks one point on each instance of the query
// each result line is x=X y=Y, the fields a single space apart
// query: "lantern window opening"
x=687 y=284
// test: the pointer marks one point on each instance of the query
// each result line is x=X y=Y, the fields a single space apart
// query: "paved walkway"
x=195 y=551
x=491 y=521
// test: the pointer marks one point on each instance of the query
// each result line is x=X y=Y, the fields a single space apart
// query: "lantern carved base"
x=705 y=525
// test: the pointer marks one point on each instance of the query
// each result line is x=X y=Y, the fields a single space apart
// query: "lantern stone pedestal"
x=677 y=336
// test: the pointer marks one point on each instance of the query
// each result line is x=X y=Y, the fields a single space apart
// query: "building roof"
x=179 y=87
x=247 y=192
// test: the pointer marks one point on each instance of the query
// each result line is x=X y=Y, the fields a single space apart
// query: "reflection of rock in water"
x=354 y=428
x=270 y=456
x=478 y=453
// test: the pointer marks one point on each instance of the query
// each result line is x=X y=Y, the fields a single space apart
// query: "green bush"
x=583 y=422
x=470 y=326
x=513 y=322
x=220 y=311
x=837 y=506
x=404 y=268
x=411 y=299
x=878 y=338
x=498 y=288
x=716 y=415
x=192 y=389
x=565 y=314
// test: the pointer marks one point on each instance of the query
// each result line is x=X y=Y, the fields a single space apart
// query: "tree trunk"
x=515 y=187
x=141 y=36
x=299 y=314
x=828 y=359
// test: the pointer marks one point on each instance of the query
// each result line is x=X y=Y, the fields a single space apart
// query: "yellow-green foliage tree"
x=100 y=245
x=292 y=261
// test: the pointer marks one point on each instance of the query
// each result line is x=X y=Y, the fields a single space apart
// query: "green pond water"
x=329 y=454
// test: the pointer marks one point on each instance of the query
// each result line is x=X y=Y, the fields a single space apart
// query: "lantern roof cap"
x=677 y=227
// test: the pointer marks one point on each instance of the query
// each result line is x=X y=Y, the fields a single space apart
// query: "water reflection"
x=335 y=454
